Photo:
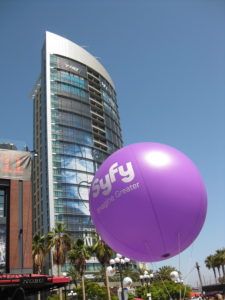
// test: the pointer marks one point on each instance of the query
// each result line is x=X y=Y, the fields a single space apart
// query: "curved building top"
x=56 y=44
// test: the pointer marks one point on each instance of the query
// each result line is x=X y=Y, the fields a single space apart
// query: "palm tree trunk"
x=223 y=270
x=59 y=270
x=219 y=271
x=83 y=287
x=214 y=271
x=60 y=294
x=39 y=293
x=107 y=284
x=60 y=289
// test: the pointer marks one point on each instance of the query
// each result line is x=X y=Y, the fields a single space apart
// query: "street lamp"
x=146 y=279
x=175 y=276
x=64 y=275
x=120 y=263
x=71 y=294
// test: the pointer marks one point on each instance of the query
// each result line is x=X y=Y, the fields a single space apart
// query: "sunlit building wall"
x=76 y=126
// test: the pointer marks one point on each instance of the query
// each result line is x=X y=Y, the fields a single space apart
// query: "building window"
x=3 y=202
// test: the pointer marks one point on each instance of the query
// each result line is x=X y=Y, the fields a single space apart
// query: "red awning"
x=30 y=283
x=194 y=294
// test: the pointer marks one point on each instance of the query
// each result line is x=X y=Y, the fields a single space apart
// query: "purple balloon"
x=148 y=201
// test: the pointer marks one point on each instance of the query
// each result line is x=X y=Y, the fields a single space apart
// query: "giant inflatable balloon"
x=148 y=201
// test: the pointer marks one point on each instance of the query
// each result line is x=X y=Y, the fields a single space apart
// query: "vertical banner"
x=15 y=164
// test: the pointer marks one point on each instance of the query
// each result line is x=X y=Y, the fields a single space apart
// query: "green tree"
x=53 y=297
x=72 y=272
x=217 y=263
x=39 y=251
x=60 y=242
x=164 y=289
x=103 y=253
x=220 y=254
x=78 y=256
x=164 y=273
x=134 y=274
x=94 y=291
x=210 y=264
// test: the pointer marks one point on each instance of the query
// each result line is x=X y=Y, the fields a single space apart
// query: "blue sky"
x=167 y=60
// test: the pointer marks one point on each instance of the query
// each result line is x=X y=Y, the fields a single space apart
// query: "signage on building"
x=33 y=280
x=72 y=67
x=15 y=164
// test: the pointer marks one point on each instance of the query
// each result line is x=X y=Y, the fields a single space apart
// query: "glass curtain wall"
x=85 y=130
x=75 y=156
x=73 y=164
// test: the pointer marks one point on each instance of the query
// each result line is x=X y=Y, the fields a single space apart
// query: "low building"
x=213 y=289
x=15 y=211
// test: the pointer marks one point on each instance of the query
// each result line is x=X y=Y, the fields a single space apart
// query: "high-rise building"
x=76 y=126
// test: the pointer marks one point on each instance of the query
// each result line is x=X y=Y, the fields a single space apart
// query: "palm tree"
x=78 y=256
x=39 y=251
x=210 y=264
x=217 y=262
x=103 y=253
x=220 y=254
x=164 y=273
x=60 y=241
x=72 y=272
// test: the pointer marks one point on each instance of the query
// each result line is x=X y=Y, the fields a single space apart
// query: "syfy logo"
x=105 y=184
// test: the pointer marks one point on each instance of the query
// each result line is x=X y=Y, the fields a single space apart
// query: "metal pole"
x=121 y=281
x=199 y=275
x=65 y=291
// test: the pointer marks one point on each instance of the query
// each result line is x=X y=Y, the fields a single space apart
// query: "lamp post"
x=120 y=263
x=179 y=281
x=71 y=294
x=176 y=277
x=64 y=275
x=146 y=280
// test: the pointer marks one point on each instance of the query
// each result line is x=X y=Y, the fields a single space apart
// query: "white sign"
x=72 y=67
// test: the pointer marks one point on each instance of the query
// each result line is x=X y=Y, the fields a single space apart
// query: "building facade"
x=76 y=126
x=15 y=211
